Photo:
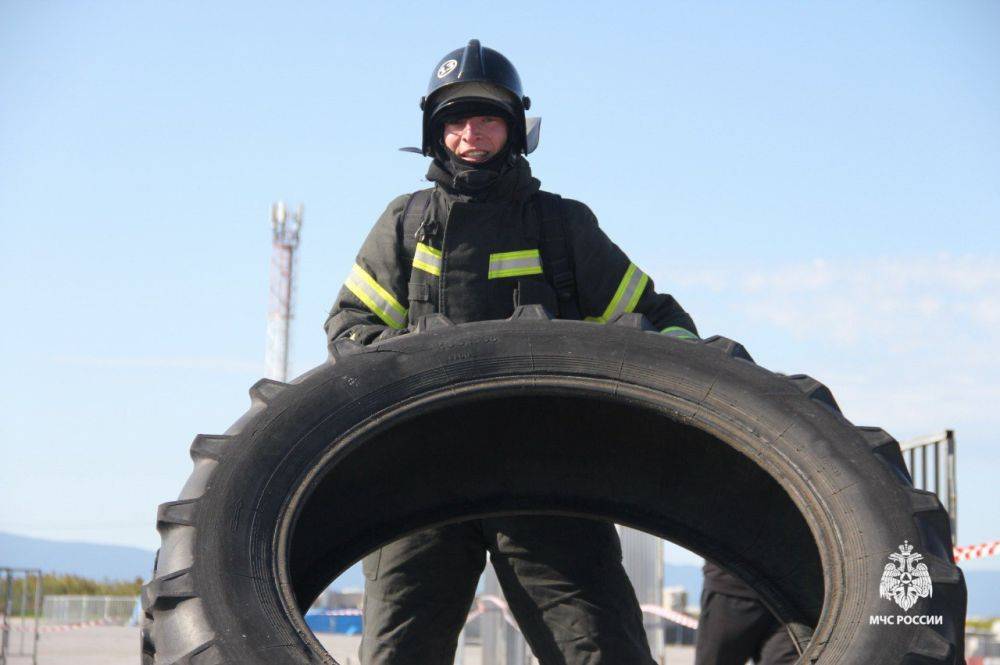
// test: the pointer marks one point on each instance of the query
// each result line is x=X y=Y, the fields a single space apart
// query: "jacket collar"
x=515 y=183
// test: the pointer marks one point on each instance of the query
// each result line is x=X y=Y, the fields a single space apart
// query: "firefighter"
x=736 y=627
x=481 y=241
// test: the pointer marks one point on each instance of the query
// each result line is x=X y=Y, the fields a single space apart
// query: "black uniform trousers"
x=733 y=630
x=562 y=577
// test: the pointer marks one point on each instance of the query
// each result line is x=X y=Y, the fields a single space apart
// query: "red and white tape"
x=483 y=601
x=76 y=626
x=672 y=616
x=980 y=551
x=962 y=553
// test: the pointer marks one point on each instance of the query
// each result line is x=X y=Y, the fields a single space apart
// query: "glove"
x=389 y=333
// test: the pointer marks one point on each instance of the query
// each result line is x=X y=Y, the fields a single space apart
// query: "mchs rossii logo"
x=905 y=580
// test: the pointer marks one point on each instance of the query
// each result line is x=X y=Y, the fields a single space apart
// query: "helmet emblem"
x=446 y=68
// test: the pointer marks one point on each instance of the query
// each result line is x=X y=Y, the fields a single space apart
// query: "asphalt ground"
x=117 y=645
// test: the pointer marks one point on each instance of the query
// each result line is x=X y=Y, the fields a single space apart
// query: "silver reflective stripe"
x=427 y=259
x=378 y=300
x=515 y=264
x=626 y=296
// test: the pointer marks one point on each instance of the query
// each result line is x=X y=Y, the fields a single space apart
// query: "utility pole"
x=285 y=228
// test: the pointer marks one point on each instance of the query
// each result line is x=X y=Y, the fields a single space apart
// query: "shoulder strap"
x=411 y=225
x=413 y=214
x=412 y=231
x=557 y=256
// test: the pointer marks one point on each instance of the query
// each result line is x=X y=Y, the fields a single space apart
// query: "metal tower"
x=285 y=240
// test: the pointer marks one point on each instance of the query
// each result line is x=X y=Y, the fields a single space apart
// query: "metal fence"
x=502 y=641
x=20 y=602
x=931 y=460
x=982 y=647
x=642 y=557
x=65 y=610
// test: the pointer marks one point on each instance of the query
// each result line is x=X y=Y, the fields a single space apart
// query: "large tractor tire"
x=756 y=471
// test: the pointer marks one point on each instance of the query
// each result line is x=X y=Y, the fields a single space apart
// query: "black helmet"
x=473 y=78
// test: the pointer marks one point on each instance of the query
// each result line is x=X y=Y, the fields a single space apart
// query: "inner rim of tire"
x=576 y=448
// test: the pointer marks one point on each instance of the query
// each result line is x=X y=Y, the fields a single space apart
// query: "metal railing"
x=931 y=460
x=982 y=647
x=20 y=599
x=68 y=610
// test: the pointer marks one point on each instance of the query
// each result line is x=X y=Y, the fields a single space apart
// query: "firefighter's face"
x=477 y=138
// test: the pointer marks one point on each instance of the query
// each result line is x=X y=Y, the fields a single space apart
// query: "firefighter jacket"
x=475 y=257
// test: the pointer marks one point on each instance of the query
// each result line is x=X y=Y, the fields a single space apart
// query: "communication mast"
x=285 y=227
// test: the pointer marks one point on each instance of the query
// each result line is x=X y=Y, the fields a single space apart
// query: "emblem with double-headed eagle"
x=906 y=580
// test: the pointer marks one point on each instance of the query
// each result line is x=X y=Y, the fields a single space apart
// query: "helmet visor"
x=467 y=99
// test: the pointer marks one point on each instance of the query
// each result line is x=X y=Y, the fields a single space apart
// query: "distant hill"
x=115 y=562
x=688 y=577
x=98 y=562
x=984 y=586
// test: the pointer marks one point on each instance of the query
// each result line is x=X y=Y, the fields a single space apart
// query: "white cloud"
x=904 y=304
x=934 y=319
x=911 y=345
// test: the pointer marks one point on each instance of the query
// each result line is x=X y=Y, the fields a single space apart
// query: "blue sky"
x=816 y=180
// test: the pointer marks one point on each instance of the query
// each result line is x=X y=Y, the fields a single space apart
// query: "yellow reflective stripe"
x=515 y=272
x=515 y=264
x=626 y=295
x=679 y=333
x=427 y=267
x=377 y=299
x=427 y=259
x=430 y=250
x=519 y=254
